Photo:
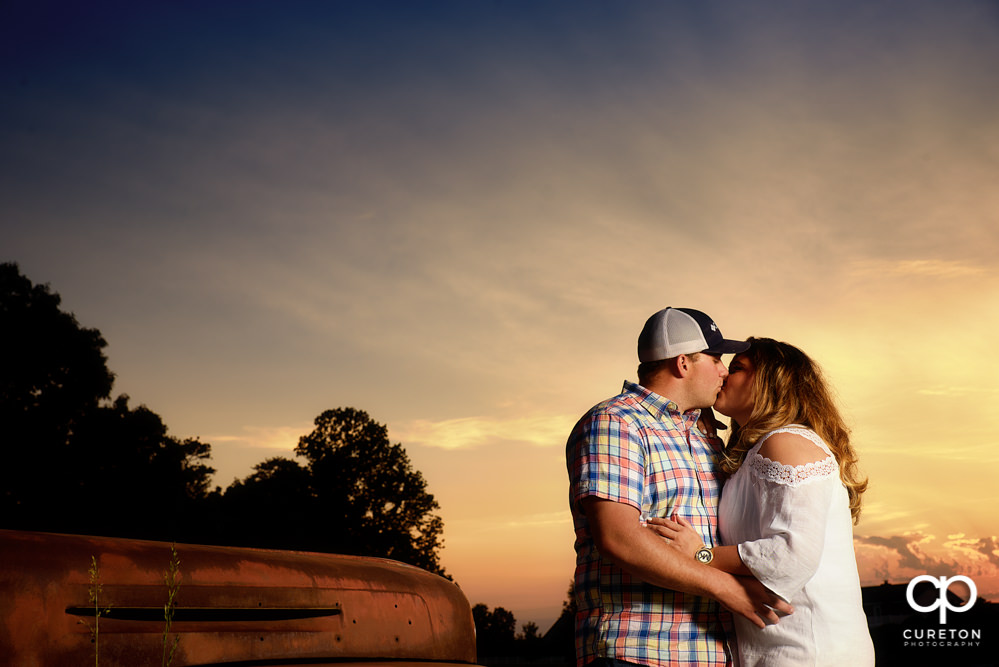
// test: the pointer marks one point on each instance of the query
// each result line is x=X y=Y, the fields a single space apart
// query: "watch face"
x=704 y=555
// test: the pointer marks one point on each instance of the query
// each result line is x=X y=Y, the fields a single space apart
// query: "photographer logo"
x=941 y=603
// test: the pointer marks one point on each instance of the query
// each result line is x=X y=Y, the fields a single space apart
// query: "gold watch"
x=704 y=555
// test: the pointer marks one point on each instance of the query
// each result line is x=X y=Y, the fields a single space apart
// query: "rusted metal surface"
x=234 y=605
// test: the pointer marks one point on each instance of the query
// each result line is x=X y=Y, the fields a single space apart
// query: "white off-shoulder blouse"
x=794 y=531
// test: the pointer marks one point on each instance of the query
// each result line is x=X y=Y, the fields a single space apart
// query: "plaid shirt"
x=638 y=449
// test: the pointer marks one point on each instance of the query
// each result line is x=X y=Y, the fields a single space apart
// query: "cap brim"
x=729 y=347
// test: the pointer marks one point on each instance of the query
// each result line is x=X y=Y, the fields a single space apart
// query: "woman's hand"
x=678 y=532
x=708 y=425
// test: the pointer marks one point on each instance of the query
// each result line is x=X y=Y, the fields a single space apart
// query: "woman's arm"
x=619 y=537
x=794 y=481
x=681 y=535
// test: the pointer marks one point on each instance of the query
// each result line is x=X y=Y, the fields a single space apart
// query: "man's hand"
x=749 y=598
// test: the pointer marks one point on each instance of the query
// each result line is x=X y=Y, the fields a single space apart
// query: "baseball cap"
x=675 y=331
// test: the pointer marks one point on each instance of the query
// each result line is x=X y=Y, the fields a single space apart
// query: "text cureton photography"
x=927 y=594
x=942 y=637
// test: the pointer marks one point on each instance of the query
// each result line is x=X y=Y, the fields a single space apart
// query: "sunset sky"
x=457 y=216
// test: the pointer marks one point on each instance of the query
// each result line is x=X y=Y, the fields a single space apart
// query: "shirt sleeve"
x=607 y=460
x=793 y=504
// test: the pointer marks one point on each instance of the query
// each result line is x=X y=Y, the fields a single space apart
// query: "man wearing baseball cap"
x=640 y=455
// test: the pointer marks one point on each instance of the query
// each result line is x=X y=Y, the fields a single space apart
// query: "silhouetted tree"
x=494 y=631
x=560 y=639
x=569 y=603
x=272 y=508
x=131 y=479
x=74 y=462
x=529 y=632
x=52 y=373
x=366 y=487
x=356 y=494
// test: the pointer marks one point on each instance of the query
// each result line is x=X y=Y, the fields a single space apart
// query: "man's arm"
x=680 y=534
x=619 y=537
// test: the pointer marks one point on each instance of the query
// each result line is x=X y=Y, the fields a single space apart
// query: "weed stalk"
x=172 y=579
x=94 y=592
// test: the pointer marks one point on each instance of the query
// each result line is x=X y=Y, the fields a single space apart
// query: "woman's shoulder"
x=792 y=456
x=793 y=446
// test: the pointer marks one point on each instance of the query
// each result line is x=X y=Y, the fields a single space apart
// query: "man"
x=639 y=455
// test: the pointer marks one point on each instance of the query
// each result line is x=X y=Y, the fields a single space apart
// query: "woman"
x=787 y=511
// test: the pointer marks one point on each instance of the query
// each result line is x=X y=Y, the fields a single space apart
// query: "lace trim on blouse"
x=779 y=473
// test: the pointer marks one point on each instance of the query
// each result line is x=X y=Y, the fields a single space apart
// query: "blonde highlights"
x=789 y=388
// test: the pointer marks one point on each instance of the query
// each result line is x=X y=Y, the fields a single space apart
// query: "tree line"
x=499 y=643
x=79 y=461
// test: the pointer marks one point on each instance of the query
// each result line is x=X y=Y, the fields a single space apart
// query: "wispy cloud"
x=884 y=513
x=539 y=520
x=259 y=437
x=931 y=268
x=958 y=391
x=471 y=432
x=908 y=549
x=984 y=550
x=520 y=523
x=901 y=557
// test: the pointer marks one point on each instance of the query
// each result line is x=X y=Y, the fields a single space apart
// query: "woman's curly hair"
x=788 y=388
